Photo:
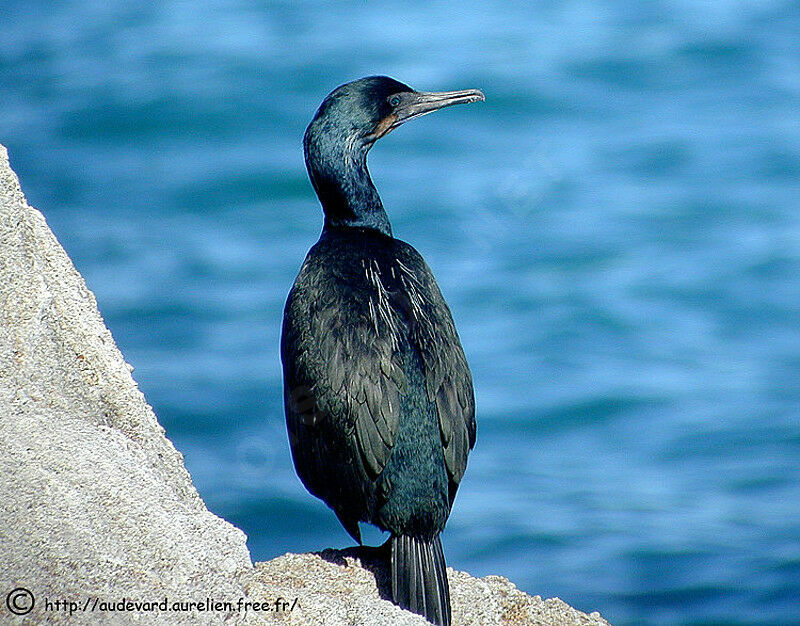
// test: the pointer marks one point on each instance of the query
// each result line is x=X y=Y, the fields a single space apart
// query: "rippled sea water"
x=617 y=231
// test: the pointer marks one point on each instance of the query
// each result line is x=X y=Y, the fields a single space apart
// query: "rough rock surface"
x=94 y=499
x=344 y=587
x=96 y=504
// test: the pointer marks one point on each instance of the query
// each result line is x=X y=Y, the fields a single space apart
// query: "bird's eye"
x=394 y=100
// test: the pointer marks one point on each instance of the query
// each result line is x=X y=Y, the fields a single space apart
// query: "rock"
x=96 y=505
x=94 y=499
x=344 y=587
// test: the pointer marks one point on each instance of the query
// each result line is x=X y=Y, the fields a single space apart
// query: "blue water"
x=617 y=231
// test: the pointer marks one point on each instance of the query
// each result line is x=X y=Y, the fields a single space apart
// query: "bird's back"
x=378 y=395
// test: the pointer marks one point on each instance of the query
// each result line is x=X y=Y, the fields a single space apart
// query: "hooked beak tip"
x=479 y=96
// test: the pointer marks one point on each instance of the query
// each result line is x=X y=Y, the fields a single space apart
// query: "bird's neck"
x=345 y=189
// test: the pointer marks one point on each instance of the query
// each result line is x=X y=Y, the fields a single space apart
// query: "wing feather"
x=448 y=379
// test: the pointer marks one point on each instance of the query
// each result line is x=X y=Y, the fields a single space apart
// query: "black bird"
x=378 y=395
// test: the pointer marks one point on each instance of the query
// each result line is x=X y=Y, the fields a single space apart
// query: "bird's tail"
x=419 y=578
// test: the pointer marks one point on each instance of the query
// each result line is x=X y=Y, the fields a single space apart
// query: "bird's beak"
x=424 y=102
x=418 y=103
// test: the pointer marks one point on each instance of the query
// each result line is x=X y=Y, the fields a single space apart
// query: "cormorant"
x=378 y=395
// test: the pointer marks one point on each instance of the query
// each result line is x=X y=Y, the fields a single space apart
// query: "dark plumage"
x=378 y=395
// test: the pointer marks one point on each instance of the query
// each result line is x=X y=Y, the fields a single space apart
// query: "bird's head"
x=361 y=112
x=347 y=124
